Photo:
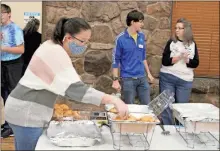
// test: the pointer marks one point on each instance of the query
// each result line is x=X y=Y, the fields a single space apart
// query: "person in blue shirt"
x=129 y=55
x=12 y=47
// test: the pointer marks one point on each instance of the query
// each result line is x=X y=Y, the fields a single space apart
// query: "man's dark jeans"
x=135 y=86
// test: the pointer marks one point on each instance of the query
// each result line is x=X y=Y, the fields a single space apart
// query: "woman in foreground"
x=50 y=73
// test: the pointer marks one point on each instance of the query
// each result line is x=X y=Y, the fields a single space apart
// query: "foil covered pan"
x=197 y=117
x=81 y=133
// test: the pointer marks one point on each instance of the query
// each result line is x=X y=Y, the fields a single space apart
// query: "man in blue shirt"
x=129 y=55
x=12 y=46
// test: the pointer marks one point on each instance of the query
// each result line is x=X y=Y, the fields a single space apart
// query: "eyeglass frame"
x=179 y=28
x=82 y=41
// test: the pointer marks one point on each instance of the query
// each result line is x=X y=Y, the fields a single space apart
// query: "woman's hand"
x=186 y=57
x=121 y=107
x=176 y=59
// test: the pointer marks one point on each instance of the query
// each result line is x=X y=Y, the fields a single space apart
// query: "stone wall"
x=108 y=20
x=205 y=90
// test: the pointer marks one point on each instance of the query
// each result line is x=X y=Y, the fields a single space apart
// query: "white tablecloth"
x=159 y=142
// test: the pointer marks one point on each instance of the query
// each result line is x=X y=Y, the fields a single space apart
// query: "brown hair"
x=188 y=34
x=32 y=26
x=6 y=8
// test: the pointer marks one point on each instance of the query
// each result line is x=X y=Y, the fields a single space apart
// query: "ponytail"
x=71 y=26
x=58 y=32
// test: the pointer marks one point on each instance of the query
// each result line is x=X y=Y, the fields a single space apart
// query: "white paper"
x=30 y=15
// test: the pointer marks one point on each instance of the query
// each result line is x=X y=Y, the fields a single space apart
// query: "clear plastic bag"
x=161 y=102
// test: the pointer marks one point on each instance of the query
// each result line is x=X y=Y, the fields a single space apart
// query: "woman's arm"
x=167 y=60
x=194 y=63
x=57 y=74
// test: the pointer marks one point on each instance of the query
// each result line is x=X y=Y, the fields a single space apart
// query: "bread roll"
x=118 y=118
x=75 y=115
x=131 y=118
x=113 y=110
x=57 y=106
x=67 y=113
x=147 y=118
x=58 y=113
x=64 y=107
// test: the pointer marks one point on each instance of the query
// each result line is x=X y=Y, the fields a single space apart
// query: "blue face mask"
x=76 y=49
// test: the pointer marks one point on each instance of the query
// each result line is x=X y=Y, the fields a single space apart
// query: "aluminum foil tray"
x=197 y=117
x=82 y=133
x=124 y=126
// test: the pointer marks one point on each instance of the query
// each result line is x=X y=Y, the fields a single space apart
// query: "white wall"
x=18 y=9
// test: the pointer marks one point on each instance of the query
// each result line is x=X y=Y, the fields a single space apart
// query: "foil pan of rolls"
x=82 y=133
x=63 y=112
x=134 y=123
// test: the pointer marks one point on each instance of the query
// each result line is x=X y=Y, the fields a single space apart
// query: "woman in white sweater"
x=180 y=58
x=50 y=73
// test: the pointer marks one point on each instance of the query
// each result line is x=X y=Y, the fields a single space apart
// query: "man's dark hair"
x=135 y=16
x=6 y=8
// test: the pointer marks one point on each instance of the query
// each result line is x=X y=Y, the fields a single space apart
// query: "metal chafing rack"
x=137 y=134
x=197 y=123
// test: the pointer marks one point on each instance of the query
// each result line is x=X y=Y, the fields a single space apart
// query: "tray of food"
x=73 y=133
x=139 y=126
x=132 y=108
x=134 y=123
x=197 y=117
x=64 y=112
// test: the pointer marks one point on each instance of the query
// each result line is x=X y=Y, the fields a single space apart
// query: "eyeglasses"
x=178 y=28
x=141 y=21
x=82 y=41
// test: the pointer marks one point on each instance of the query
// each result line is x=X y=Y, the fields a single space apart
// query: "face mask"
x=76 y=49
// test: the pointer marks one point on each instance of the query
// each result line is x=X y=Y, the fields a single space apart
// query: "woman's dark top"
x=31 y=43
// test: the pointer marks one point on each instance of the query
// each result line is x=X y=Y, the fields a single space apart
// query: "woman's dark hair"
x=32 y=26
x=68 y=25
x=135 y=16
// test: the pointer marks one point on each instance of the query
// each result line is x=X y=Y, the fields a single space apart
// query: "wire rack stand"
x=132 y=141
x=193 y=137
x=135 y=135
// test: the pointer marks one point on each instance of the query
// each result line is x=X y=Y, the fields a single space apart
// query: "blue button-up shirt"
x=12 y=36
x=129 y=55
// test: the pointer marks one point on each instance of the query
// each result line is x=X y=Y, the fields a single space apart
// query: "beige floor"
x=7 y=143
